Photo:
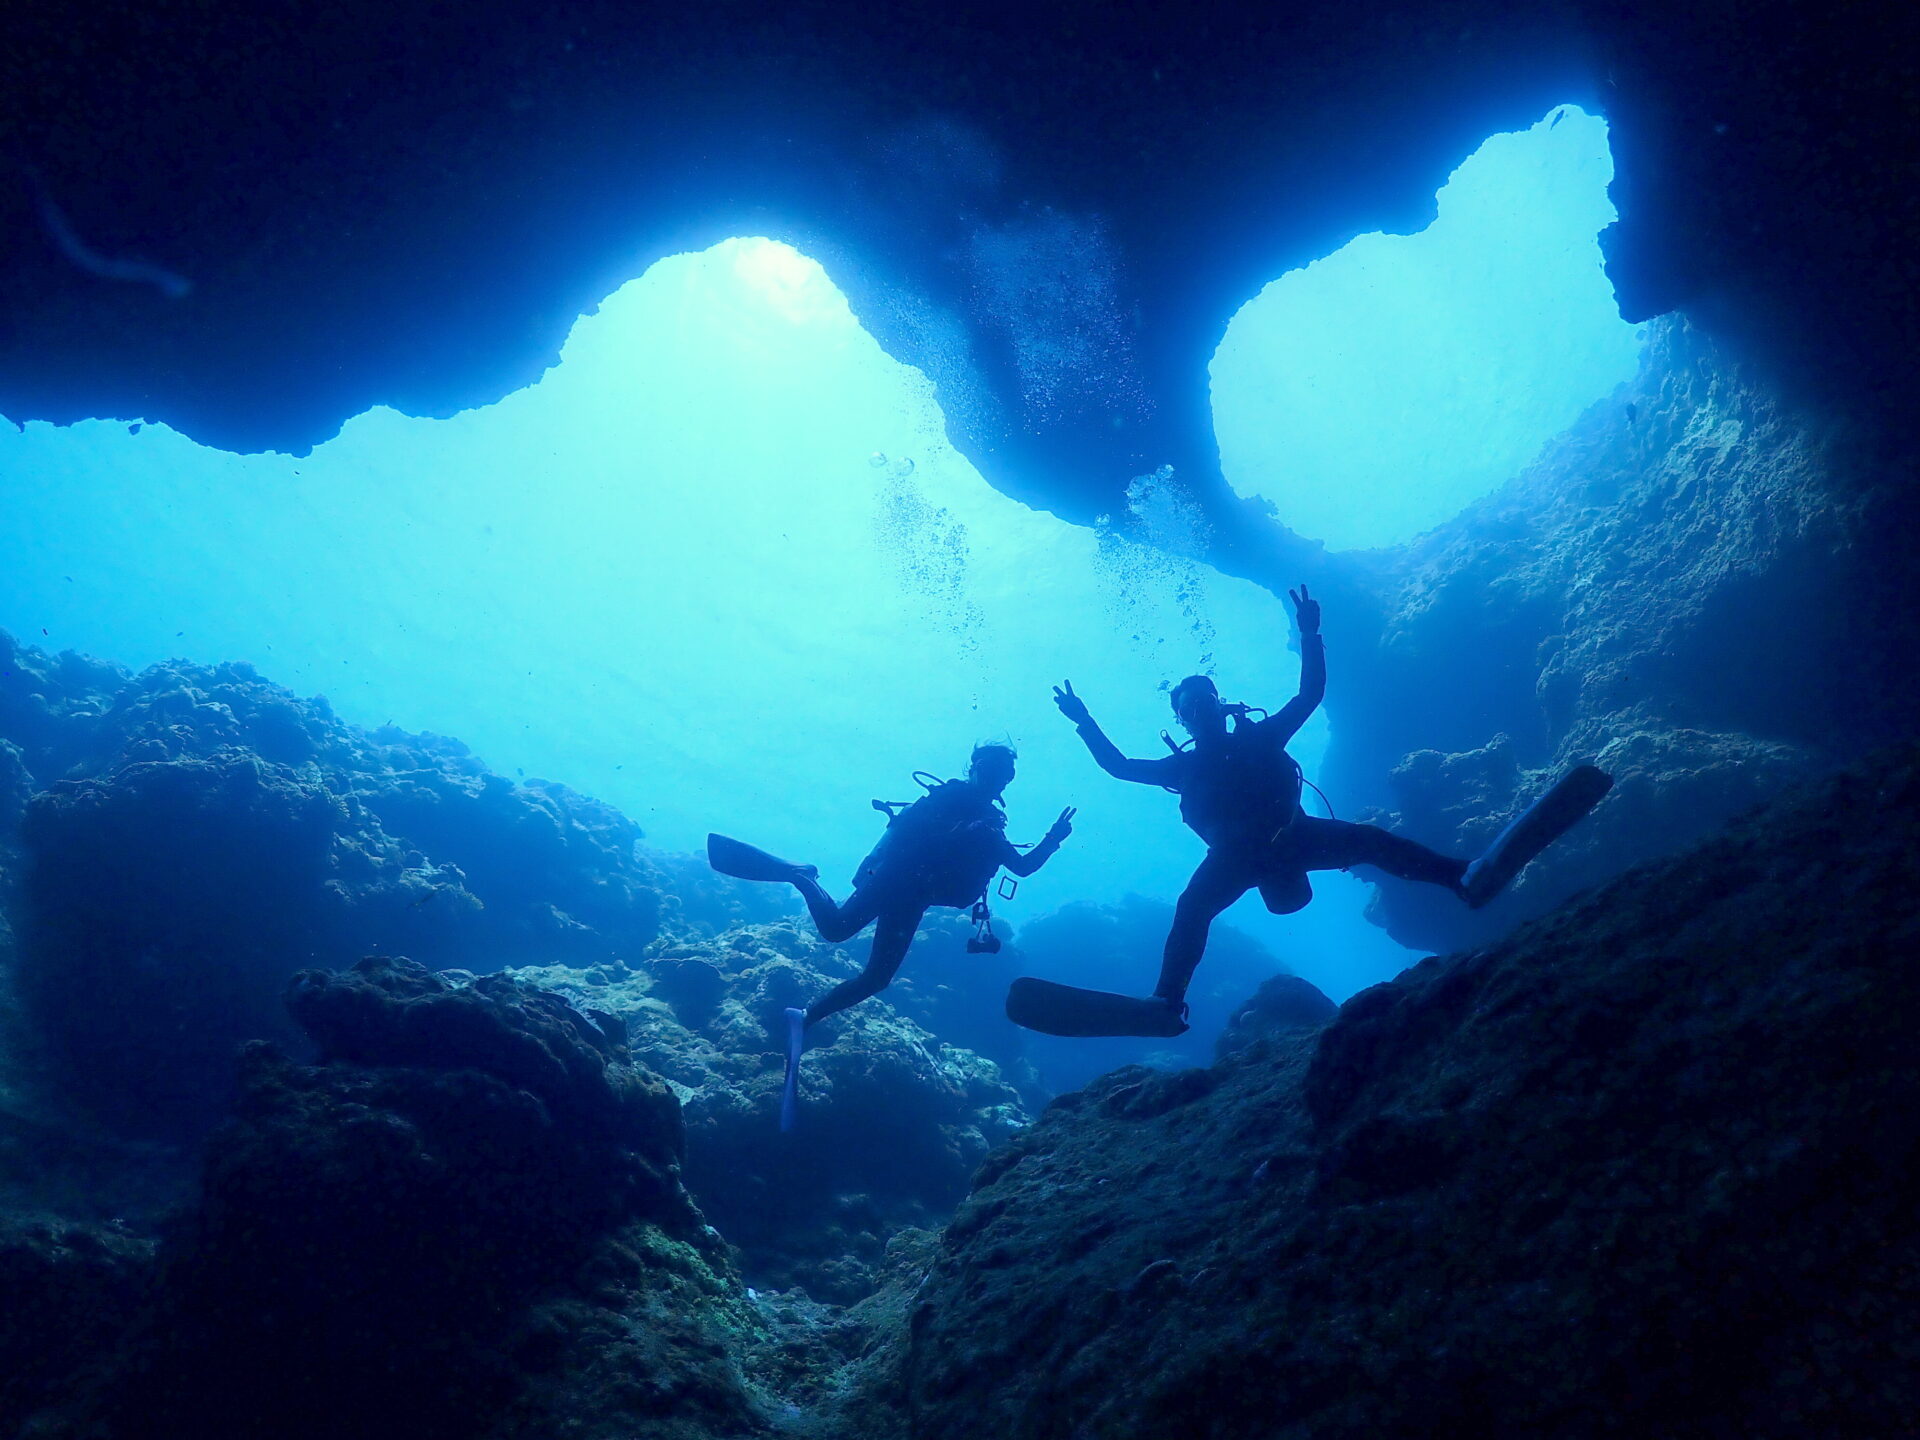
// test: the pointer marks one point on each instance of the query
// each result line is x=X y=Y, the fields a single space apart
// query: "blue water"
x=1373 y=394
x=721 y=569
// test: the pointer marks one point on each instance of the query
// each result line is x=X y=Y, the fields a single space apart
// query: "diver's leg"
x=1338 y=845
x=891 y=937
x=1220 y=880
x=836 y=922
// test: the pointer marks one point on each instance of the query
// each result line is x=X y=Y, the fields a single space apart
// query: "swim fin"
x=790 y=1090
x=746 y=862
x=1532 y=830
x=1068 y=1010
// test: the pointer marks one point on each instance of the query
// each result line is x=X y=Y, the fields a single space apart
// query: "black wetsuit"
x=893 y=896
x=1240 y=793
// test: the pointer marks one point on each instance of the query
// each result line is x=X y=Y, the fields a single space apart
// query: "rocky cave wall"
x=1691 y=587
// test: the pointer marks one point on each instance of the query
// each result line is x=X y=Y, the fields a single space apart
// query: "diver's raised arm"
x=1105 y=753
x=1313 y=666
x=1025 y=864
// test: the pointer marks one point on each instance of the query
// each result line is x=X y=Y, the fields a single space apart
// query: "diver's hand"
x=1071 y=705
x=1306 y=610
x=1060 y=828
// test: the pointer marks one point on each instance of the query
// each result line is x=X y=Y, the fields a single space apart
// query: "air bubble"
x=877 y=459
x=901 y=468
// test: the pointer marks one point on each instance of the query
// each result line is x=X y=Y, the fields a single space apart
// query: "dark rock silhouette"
x=474 y=1190
x=1282 y=1004
x=1641 y=1167
x=72 y=1291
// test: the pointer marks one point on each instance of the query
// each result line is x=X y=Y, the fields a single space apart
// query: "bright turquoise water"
x=720 y=568
x=1373 y=394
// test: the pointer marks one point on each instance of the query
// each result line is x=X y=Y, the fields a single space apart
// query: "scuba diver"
x=1240 y=792
x=940 y=850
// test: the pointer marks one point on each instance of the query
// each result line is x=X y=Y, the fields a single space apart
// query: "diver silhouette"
x=941 y=850
x=1240 y=792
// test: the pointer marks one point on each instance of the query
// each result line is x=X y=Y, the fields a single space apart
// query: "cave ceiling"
x=1053 y=208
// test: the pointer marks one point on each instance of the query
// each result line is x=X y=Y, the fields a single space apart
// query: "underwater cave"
x=454 y=469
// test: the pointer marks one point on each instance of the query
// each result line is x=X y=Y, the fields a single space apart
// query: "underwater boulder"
x=213 y=834
x=893 y=1119
x=1283 y=1003
x=1647 y=595
x=72 y=1290
x=1655 y=1147
x=466 y=1221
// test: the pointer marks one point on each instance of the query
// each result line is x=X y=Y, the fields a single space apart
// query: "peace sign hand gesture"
x=1071 y=705
x=1306 y=610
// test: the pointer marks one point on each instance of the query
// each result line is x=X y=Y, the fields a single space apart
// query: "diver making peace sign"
x=1240 y=792
x=942 y=849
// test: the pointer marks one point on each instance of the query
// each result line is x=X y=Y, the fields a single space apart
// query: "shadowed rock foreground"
x=1638 y=1168
x=1641 y=1168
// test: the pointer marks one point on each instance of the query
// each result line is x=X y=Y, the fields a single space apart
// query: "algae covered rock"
x=467 y=1220
x=164 y=908
x=1655 y=1148
x=71 y=1291
x=1665 y=591
x=893 y=1119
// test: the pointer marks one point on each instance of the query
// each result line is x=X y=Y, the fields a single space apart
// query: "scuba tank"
x=945 y=846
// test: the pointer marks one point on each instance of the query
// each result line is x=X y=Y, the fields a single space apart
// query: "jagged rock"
x=1282 y=1003
x=467 y=1222
x=1654 y=1148
x=164 y=907
x=1656 y=593
x=893 y=1119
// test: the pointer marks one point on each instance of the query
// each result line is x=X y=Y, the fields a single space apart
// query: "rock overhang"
x=377 y=204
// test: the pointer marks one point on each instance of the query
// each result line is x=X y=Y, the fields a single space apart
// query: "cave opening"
x=1374 y=393
x=721 y=568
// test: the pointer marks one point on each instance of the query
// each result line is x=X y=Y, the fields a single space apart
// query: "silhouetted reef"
x=199 y=834
x=895 y=1118
x=1644 y=1167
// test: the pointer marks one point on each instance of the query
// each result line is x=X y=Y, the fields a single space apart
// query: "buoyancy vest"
x=1242 y=791
x=944 y=847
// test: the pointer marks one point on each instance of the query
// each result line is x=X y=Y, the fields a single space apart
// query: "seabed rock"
x=466 y=1221
x=1643 y=1167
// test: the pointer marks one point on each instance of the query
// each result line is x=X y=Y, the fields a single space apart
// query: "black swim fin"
x=1054 y=1009
x=747 y=862
x=790 y=1088
x=1532 y=830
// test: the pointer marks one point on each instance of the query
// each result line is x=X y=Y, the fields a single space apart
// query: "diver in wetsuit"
x=944 y=849
x=1240 y=792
